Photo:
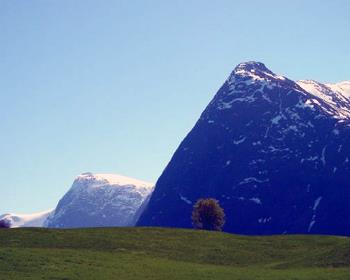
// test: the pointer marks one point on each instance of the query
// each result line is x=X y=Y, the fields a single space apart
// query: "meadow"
x=163 y=253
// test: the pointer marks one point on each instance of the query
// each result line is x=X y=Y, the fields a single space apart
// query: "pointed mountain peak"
x=253 y=70
x=252 y=65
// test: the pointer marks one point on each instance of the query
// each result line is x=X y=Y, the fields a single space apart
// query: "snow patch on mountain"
x=114 y=180
x=27 y=220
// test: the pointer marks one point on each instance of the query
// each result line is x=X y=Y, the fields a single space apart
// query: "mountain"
x=335 y=96
x=27 y=220
x=100 y=200
x=94 y=200
x=274 y=152
x=343 y=88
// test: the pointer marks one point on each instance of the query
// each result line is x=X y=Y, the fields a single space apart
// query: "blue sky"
x=114 y=86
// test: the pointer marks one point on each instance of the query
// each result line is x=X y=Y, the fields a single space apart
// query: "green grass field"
x=155 y=253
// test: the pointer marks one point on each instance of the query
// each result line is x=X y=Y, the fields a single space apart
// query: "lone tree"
x=207 y=214
x=5 y=223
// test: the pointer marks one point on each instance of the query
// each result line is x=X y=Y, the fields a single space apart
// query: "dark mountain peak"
x=252 y=70
x=252 y=65
x=253 y=84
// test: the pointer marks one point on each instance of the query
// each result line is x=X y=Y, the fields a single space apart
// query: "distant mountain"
x=336 y=97
x=27 y=220
x=100 y=200
x=342 y=87
x=94 y=200
x=274 y=152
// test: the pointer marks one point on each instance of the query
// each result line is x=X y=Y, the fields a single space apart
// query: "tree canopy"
x=208 y=215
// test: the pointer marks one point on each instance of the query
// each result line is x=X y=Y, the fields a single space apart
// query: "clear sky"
x=114 y=86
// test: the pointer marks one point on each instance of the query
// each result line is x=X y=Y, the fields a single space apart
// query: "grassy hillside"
x=154 y=253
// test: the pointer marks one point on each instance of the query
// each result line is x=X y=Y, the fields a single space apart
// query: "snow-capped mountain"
x=342 y=87
x=100 y=200
x=27 y=220
x=274 y=152
x=336 y=97
x=94 y=200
